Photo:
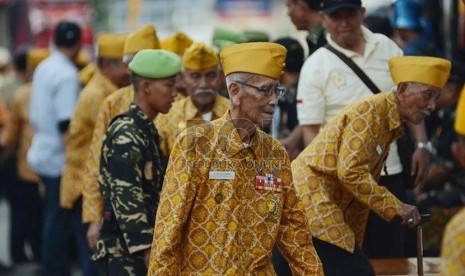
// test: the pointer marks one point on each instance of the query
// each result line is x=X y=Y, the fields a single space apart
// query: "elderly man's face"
x=201 y=85
x=344 y=26
x=253 y=104
x=417 y=101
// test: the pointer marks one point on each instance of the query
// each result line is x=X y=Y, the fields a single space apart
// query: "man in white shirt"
x=55 y=89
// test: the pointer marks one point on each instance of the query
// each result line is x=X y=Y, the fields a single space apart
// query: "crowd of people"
x=237 y=156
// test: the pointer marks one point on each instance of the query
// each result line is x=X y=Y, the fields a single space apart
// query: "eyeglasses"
x=268 y=91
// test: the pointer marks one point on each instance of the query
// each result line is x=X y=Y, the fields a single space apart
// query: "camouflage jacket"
x=131 y=176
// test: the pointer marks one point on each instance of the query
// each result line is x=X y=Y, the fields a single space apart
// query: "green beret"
x=155 y=64
x=256 y=36
x=222 y=33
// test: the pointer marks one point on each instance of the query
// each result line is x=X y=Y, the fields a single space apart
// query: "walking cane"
x=424 y=218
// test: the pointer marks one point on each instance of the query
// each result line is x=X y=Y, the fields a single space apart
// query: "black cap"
x=67 y=34
x=330 y=6
x=295 y=54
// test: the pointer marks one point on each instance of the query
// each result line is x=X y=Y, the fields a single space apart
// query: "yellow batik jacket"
x=336 y=175
x=18 y=132
x=453 y=247
x=184 y=114
x=225 y=204
x=117 y=103
x=81 y=129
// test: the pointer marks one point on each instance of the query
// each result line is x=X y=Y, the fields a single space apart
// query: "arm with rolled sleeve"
x=353 y=169
x=176 y=200
x=294 y=239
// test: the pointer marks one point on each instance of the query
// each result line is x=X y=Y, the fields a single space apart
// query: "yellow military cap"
x=199 y=57
x=82 y=59
x=261 y=58
x=178 y=43
x=427 y=70
x=35 y=57
x=145 y=38
x=155 y=64
x=110 y=45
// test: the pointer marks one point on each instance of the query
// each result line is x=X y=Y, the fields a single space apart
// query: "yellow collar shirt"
x=336 y=175
x=115 y=104
x=81 y=129
x=182 y=115
x=217 y=213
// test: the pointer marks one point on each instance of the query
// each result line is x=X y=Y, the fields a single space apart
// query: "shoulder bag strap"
x=357 y=70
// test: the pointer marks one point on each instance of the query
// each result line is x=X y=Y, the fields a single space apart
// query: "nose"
x=432 y=104
x=273 y=99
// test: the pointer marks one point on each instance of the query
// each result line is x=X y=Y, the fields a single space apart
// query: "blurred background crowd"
x=419 y=27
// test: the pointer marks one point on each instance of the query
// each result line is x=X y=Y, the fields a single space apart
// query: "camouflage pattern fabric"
x=131 y=174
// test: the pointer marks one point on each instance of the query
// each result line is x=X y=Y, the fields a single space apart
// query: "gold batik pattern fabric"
x=453 y=247
x=336 y=175
x=184 y=114
x=117 y=103
x=213 y=220
x=18 y=132
x=81 y=129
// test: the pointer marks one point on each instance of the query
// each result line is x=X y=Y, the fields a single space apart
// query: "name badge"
x=379 y=150
x=222 y=175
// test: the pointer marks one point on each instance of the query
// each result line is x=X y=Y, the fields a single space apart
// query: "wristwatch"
x=425 y=145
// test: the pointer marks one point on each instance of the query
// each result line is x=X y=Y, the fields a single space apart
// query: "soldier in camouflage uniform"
x=132 y=167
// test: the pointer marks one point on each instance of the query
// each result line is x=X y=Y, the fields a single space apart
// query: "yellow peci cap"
x=35 y=57
x=261 y=58
x=199 y=57
x=427 y=70
x=145 y=38
x=155 y=64
x=110 y=45
x=178 y=43
x=82 y=59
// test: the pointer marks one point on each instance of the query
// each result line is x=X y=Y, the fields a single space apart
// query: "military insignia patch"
x=272 y=207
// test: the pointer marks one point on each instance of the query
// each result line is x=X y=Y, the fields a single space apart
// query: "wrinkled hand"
x=93 y=232
x=409 y=212
x=147 y=257
x=420 y=160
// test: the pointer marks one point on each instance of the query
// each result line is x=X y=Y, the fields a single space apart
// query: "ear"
x=144 y=86
x=401 y=91
x=235 y=93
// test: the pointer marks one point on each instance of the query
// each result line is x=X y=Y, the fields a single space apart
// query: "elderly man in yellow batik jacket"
x=336 y=175
x=117 y=103
x=201 y=78
x=112 y=74
x=228 y=196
